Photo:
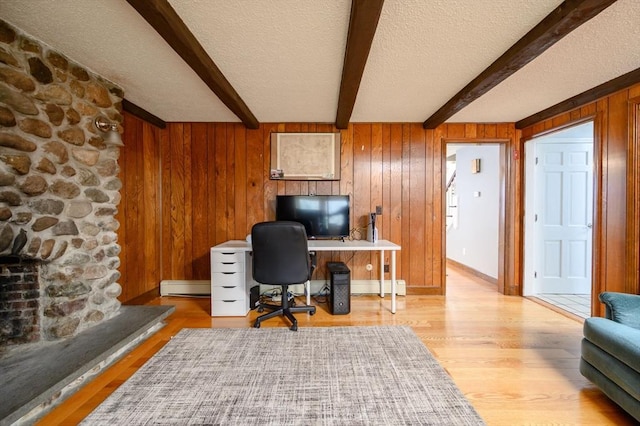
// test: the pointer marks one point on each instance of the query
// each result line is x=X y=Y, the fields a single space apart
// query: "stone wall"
x=58 y=181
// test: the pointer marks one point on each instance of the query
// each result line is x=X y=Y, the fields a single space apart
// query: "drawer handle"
x=228 y=263
x=229 y=273
x=228 y=286
x=228 y=301
x=229 y=253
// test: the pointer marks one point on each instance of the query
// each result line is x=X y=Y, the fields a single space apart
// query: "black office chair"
x=281 y=257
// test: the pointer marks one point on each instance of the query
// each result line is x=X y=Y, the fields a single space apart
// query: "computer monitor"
x=323 y=216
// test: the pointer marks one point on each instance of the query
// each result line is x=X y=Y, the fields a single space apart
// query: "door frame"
x=504 y=203
x=598 y=206
x=529 y=173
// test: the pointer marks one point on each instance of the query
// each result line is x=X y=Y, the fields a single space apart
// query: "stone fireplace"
x=19 y=301
x=59 y=193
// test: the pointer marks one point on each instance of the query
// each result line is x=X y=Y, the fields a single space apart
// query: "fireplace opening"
x=19 y=302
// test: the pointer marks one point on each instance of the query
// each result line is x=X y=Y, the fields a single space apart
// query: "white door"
x=563 y=217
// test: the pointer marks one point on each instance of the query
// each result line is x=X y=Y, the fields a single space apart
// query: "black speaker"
x=340 y=289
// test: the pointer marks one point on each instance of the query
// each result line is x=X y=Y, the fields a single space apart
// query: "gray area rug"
x=273 y=376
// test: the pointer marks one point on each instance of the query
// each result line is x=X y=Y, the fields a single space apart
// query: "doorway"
x=474 y=209
x=558 y=251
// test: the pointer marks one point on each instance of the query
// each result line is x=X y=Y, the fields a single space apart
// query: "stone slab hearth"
x=38 y=378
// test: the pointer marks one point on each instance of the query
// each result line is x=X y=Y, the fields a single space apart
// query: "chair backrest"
x=280 y=253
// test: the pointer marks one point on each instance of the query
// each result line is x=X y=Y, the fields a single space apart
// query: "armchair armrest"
x=623 y=308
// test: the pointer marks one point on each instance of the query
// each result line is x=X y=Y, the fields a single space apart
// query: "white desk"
x=225 y=262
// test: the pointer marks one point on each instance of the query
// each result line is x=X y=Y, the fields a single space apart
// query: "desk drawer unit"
x=228 y=284
x=227 y=257
x=230 y=292
x=228 y=308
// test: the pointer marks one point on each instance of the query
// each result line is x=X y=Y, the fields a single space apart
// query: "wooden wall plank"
x=406 y=198
x=385 y=227
x=211 y=185
x=220 y=189
x=138 y=215
x=188 y=200
x=177 y=199
x=199 y=178
x=230 y=182
x=240 y=184
x=149 y=258
x=165 y=191
x=361 y=192
x=376 y=187
x=417 y=204
x=394 y=208
x=133 y=194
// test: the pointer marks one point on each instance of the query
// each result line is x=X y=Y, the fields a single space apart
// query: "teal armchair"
x=610 y=351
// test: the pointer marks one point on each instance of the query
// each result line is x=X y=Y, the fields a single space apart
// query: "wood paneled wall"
x=616 y=238
x=139 y=209
x=199 y=184
x=194 y=185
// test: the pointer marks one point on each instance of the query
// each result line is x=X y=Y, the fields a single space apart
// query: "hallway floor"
x=577 y=304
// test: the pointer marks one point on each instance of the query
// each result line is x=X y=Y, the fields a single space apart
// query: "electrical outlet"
x=378 y=210
x=386 y=268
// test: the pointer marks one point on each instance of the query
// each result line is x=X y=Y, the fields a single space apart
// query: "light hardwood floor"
x=514 y=359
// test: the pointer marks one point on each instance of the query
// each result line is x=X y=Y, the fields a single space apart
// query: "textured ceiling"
x=285 y=57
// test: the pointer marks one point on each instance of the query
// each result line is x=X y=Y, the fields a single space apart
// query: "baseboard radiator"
x=203 y=287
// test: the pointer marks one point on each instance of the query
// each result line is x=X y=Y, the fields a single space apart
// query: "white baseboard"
x=178 y=287
x=373 y=287
x=203 y=287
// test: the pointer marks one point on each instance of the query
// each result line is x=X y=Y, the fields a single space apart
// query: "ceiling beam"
x=591 y=95
x=564 y=19
x=164 y=19
x=143 y=114
x=363 y=22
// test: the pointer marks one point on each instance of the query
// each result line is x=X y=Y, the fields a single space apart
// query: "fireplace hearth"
x=19 y=302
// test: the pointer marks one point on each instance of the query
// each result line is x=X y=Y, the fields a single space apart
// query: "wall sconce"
x=109 y=130
x=475 y=165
